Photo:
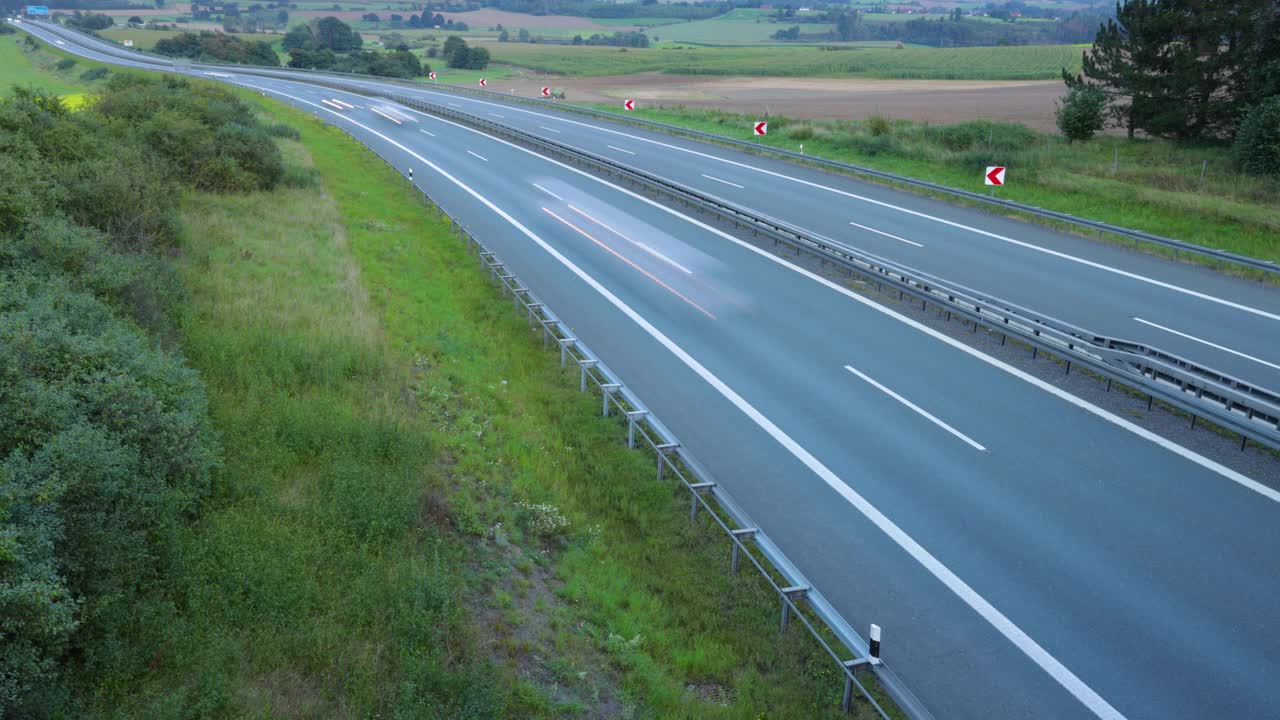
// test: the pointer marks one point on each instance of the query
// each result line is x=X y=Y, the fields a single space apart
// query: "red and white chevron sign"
x=483 y=82
x=629 y=104
x=546 y=92
x=995 y=175
x=762 y=128
x=432 y=75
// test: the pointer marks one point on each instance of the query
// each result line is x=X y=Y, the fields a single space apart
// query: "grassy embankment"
x=417 y=514
x=1034 y=62
x=1155 y=185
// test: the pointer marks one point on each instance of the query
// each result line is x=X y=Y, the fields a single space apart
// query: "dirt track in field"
x=939 y=101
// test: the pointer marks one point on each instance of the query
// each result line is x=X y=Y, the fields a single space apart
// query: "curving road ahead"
x=1029 y=555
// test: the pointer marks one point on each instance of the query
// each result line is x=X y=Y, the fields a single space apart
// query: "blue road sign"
x=37 y=10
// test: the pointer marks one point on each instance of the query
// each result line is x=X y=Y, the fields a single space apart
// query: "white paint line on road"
x=1223 y=348
x=426 y=132
x=497 y=115
x=931 y=418
x=544 y=127
x=916 y=213
x=1175 y=448
x=478 y=155
x=454 y=105
x=385 y=115
x=881 y=232
x=615 y=147
x=1051 y=665
x=726 y=182
x=548 y=192
x=332 y=104
x=343 y=103
x=1055 y=669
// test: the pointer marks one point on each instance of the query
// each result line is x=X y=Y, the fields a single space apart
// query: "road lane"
x=1102 y=545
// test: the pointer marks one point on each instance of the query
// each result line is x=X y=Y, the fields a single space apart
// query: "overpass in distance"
x=1029 y=554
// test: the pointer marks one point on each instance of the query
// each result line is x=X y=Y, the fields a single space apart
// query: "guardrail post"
x=664 y=450
x=546 y=331
x=697 y=489
x=586 y=365
x=533 y=308
x=565 y=344
x=632 y=417
x=609 y=389
x=794 y=593
x=739 y=535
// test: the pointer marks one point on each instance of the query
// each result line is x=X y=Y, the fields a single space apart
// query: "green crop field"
x=1033 y=62
x=727 y=29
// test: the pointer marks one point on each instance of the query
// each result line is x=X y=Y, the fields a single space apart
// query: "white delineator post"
x=875 y=641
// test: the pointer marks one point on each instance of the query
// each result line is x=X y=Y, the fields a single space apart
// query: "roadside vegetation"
x=369 y=491
x=1148 y=184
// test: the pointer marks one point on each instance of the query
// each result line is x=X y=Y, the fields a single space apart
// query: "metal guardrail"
x=747 y=540
x=1178 y=246
x=1251 y=411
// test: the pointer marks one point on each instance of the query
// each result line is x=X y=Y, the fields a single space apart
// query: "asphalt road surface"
x=1028 y=555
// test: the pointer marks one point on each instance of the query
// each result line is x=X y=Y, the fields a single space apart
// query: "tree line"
x=1190 y=70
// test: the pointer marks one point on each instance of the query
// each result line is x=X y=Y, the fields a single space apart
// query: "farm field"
x=1035 y=62
x=728 y=30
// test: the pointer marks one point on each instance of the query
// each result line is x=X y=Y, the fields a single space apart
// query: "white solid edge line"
x=479 y=156
x=615 y=147
x=961 y=226
x=548 y=192
x=427 y=132
x=544 y=127
x=498 y=116
x=1165 y=443
x=928 y=416
x=1223 y=348
x=1055 y=669
x=881 y=232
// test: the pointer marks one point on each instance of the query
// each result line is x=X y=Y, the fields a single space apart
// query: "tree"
x=370 y=17
x=1257 y=146
x=135 y=20
x=504 y=36
x=452 y=45
x=332 y=33
x=1082 y=112
x=297 y=37
x=1182 y=68
x=477 y=58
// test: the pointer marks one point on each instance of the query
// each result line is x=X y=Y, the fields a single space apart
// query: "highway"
x=1028 y=555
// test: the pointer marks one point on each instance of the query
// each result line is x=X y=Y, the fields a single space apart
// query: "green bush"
x=1257 y=145
x=66 y=63
x=1081 y=113
x=281 y=130
x=879 y=125
x=94 y=74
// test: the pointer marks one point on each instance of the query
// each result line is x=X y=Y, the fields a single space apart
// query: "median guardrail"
x=1177 y=246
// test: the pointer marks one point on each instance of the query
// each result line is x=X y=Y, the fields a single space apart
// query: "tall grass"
x=419 y=516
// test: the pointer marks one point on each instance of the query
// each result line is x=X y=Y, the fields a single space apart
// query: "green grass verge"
x=21 y=65
x=1155 y=187
x=1034 y=62
x=418 y=515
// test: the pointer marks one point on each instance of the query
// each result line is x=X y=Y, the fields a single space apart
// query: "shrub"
x=94 y=74
x=66 y=63
x=800 y=132
x=281 y=130
x=879 y=125
x=300 y=177
x=1081 y=113
x=1257 y=145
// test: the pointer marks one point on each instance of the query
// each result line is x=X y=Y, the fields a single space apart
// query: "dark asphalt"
x=1108 y=554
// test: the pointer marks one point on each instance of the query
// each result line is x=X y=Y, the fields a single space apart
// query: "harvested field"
x=938 y=101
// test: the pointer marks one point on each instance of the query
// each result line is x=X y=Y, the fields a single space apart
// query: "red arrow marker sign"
x=629 y=104
x=483 y=83
x=546 y=92
x=431 y=75
x=995 y=175
x=762 y=128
